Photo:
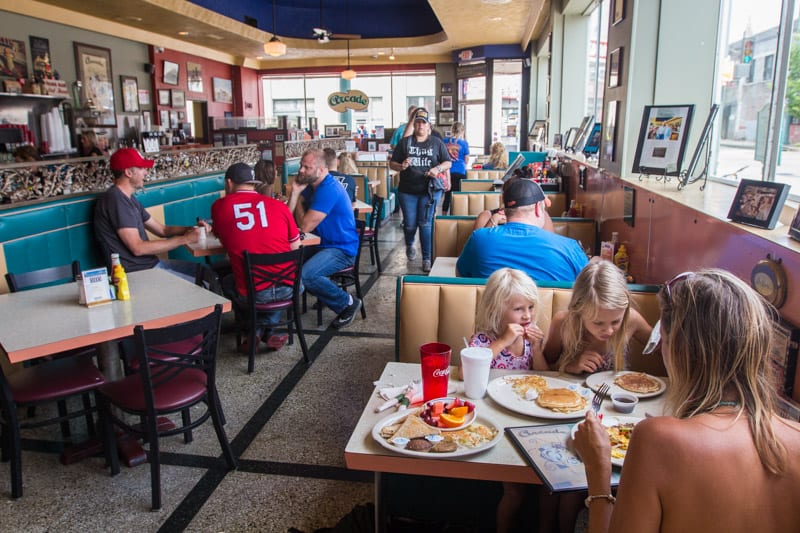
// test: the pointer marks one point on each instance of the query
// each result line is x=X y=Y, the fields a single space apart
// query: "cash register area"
x=288 y=423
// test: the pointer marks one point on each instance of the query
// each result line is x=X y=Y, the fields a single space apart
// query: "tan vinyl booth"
x=376 y=171
x=473 y=203
x=477 y=185
x=443 y=310
x=478 y=174
x=450 y=233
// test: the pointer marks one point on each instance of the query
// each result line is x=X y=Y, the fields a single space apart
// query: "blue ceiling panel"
x=372 y=19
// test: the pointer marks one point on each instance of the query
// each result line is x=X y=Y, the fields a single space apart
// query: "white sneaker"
x=411 y=252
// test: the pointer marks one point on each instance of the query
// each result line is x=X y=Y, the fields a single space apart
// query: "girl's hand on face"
x=588 y=361
x=534 y=335
x=511 y=333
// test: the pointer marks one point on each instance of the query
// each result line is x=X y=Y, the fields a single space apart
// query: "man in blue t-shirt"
x=522 y=243
x=320 y=205
x=347 y=181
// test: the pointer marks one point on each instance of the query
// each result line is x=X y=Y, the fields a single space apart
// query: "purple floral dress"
x=505 y=360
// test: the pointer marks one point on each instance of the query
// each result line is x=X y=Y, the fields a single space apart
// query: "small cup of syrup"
x=624 y=402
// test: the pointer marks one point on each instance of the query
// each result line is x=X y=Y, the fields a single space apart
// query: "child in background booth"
x=506 y=323
x=592 y=335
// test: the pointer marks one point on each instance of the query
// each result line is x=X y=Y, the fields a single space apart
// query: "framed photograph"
x=794 y=229
x=93 y=69
x=144 y=97
x=173 y=119
x=279 y=138
x=40 y=56
x=446 y=88
x=446 y=118
x=181 y=115
x=163 y=117
x=130 y=94
x=223 y=90
x=615 y=68
x=447 y=103
x=592 y=145
x=163 y=97
x=618 y=12
x=194 y=73
x=629 y=205
x=15 y=61
x=538 y=131
x=609 y=131
x=662 y=139
x=372 y=146
x=335 y=130
x=171 y=72
x=758 y=203
x=178 y=98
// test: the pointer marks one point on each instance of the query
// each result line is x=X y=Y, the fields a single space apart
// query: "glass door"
x=506 y=101
x=472 y=111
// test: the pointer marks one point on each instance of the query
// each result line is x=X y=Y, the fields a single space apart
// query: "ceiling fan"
x=324 y=35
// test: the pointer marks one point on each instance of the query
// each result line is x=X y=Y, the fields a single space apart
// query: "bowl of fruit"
x=448 y=414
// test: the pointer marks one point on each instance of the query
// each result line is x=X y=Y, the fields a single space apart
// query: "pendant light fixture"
x=349 y=73
x=274 y=47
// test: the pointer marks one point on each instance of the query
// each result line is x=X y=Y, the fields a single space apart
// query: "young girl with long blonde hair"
x=592 y=335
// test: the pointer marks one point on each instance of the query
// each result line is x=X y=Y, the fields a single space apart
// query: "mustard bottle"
x=621 y=259
x=118 y=274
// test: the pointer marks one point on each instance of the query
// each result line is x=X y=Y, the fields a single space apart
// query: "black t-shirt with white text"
x=423 y=156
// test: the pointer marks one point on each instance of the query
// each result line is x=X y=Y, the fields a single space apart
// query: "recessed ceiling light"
x=214 y=36
x=381 y=53
x=496 y=2
x=183 y=33
x=495 y=19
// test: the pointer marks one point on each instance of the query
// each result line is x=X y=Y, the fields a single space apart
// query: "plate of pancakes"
x=637 y=383
x=619 y=430
x=405 y=432
x=540 y=396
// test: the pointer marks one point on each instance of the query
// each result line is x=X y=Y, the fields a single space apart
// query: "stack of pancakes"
x=637 y=382
x=561 y=400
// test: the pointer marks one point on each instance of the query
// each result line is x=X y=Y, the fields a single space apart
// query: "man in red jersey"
x=246 y=220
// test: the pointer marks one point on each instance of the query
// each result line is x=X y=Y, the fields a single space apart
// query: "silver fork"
x=599 y=396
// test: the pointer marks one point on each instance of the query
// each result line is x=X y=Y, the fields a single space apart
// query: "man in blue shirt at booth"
x=521 y=242
x=320 y=205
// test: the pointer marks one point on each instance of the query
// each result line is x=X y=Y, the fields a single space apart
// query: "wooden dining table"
x=503 y=462
x=213 y=246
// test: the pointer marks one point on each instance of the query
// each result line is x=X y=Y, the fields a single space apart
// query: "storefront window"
x=506 y=86
x=596 y=61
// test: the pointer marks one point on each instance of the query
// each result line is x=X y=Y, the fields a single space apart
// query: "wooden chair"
x=270 y=270
x=371 y=231
x=167 y=382
x=71 y=373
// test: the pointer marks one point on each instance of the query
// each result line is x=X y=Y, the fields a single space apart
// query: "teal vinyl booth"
x=59 y=231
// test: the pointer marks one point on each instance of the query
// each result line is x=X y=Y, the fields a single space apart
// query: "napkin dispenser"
x=93 y=288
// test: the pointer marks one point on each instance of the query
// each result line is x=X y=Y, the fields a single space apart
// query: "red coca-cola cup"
x=435 y=360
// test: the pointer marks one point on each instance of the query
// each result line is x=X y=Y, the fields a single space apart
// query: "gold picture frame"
x=130 y=93
x=93 y=69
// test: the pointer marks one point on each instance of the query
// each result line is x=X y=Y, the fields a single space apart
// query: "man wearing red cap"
x=120 y=221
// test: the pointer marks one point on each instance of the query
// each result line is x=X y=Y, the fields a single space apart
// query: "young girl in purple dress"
x=506 y=322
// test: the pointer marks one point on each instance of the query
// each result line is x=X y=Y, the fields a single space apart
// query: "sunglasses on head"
x=655 y=335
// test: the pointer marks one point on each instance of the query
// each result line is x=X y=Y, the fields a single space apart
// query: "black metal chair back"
x=44 y=276
x=371 y=231
x=167 y=382
x=269 y=270
x=350 y=276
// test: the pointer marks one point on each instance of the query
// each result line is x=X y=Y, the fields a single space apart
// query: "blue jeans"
x=265 y=296
x=316 y=270
x=418 y=211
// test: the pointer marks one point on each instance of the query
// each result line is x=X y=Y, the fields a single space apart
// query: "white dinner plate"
x=610 y=421
x=593 y=381
x=468 y=419
x=501 y=391
x=460 y=452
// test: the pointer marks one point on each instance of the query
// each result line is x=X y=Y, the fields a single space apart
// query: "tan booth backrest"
x=477 y=185
x=478 y=174
x=473 y=203
x=377 y=171
x=451 y=233
x=443 y=310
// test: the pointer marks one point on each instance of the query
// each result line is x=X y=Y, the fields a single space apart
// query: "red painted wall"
x=244 y=82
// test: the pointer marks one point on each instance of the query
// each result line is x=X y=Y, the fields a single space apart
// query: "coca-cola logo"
x=441 y=372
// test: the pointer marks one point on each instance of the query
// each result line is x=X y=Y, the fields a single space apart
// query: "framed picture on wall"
x=194 y=73
x=163 y=117
x=446 y=118
x=93 y=66
x=130 y=94
x=758 y=203
x=618 y=12
x=662 y=139
x=447 y=103
x=609 y=131
x=615 y=68
x=794 y=229
x=163 y=97
x=171 y=71
x=446 y=88
x=223 y=90
x=178 y=98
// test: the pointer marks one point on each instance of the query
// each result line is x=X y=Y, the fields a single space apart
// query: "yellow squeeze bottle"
x=118 y=273
x=621 y=259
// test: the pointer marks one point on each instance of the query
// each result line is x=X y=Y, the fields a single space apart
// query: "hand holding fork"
x=599 y=396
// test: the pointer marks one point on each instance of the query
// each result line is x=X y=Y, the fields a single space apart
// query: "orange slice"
x=459 y=411
x=450 y=421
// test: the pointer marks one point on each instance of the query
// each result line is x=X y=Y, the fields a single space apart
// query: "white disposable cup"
x=202 y=232
x=475 y=364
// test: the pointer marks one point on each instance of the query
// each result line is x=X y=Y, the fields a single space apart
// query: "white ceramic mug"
x=475 y=364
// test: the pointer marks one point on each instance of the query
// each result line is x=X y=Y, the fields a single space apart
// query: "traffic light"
x=747 y=54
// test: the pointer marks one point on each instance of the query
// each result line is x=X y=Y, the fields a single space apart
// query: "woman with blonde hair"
x=347 y=165
x=498 y=157
x=458 y=149
x=593 y=333
x=724 y=460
